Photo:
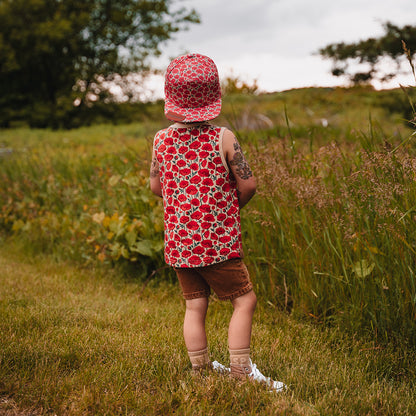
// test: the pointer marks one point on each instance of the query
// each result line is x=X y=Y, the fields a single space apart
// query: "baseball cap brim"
x=189 y=115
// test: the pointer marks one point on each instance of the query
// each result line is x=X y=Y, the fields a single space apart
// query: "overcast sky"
x=274 y=41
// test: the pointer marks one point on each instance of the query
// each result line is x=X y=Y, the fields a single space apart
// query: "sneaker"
x=212 y=366
x=275 y=386
x=218 y=367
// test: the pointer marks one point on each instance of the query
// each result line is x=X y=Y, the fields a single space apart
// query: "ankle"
x=240 y=362
x=199 y=359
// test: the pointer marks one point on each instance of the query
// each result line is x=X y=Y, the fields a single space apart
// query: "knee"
x=252 y=300
x=247 y=302
x=199 y=305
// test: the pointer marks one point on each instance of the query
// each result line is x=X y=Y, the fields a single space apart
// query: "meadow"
x=84 y=341
x=330 y=242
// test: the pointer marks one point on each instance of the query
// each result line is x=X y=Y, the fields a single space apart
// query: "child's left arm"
x=155 y=185
x=239 y=167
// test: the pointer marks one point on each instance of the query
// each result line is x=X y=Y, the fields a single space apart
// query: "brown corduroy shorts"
x=229 y=280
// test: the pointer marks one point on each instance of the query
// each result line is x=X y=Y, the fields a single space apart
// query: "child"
x=200 y=171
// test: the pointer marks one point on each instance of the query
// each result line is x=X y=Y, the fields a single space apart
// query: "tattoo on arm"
x=154 y=168
x=242 y=168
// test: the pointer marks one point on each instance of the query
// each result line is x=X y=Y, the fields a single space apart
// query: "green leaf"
x=113 y=181
x=115 y=250
x=143 y=247
x=132 y=181
x=131 y=237
x=363 y=268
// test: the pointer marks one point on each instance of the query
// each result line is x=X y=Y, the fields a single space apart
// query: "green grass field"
x=83 y=342
x=91 y=317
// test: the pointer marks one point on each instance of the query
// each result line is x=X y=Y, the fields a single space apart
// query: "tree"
x=235 y=85
x=371 y=59
x=54 y=53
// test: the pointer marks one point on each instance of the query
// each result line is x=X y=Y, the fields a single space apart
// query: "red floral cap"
x=192 y=89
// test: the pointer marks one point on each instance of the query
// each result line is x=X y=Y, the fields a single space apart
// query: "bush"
x=86 y=208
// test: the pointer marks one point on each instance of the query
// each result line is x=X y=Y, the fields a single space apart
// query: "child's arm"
x=155 y=185
x=246 y=182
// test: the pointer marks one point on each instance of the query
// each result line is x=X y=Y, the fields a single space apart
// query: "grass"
x=79 y=341
x=91 y=321
x=336 y=227
x=330 y=234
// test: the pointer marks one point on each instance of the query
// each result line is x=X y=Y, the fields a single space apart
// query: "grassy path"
x=79 y=342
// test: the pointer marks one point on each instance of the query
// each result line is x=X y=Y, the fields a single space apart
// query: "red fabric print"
x=201 y=204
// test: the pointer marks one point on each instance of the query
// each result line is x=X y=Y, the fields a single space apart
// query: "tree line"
x=372 y=59
x=59 y=59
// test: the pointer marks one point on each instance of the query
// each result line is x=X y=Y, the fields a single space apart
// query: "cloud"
x=273 y=41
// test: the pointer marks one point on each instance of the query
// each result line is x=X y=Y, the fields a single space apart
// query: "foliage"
x=235 y=85
x=330 y=235
x=338 y=241
x=56 y=53
x=308 y=109
x=371 y=53
x=86 y=207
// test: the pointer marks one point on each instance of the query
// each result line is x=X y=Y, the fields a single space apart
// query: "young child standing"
x=200 y=171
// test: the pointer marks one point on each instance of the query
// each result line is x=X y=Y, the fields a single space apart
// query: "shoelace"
x=255 y=372
x=257 y=375
x=219 y=367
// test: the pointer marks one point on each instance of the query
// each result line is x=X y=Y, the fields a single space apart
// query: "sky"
x=275 y=41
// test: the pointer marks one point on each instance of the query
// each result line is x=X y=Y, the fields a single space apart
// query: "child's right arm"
x=239 y=167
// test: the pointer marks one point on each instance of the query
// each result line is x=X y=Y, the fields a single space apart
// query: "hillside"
x=340 y=108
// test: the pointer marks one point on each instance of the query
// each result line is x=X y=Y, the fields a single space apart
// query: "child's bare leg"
x=194 y=332
x=239 y=330
x=239 y=333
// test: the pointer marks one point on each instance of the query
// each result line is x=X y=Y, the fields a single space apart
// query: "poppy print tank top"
x=202 y=216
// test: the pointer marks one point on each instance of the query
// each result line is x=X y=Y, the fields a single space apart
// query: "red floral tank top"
x=202 y=216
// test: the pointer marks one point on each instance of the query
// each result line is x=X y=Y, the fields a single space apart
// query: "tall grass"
x=330 y=235
x=335 y=234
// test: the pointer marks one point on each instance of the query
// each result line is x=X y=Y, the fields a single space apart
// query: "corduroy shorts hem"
x=229 y=280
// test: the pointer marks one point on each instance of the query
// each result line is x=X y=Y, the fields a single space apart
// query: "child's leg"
x=239 y=333
x=194 y=332
x=239 y=330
